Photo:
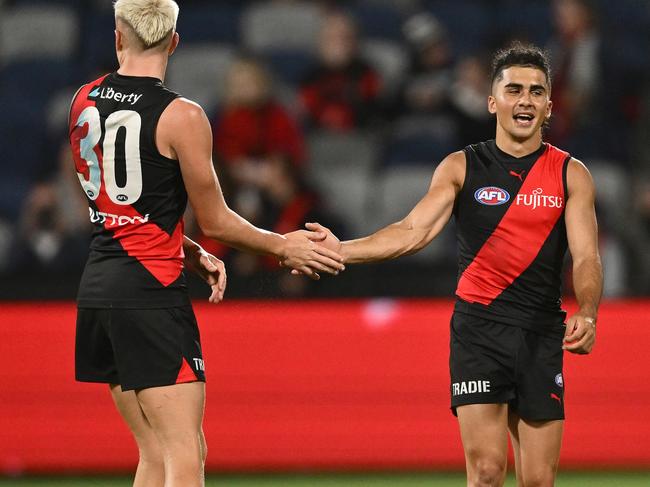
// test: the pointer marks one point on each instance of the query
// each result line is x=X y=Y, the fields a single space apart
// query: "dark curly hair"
x=519 y=54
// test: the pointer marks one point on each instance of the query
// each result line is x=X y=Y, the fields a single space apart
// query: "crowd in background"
x=328 y=111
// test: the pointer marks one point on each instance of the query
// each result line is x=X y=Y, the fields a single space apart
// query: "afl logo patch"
x=559 y=380
x=491 y=196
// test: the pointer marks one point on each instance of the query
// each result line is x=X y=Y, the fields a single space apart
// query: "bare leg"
x=537 y=443
x=151 y=469
x=176 y=413
x=484 y=431
x=513 y=420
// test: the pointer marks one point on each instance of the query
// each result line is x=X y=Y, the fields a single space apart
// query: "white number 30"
x=131 y=121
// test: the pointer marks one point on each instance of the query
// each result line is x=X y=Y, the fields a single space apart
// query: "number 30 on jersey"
x=128 y=120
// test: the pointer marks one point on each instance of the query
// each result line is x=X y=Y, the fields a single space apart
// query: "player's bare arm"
x=582 y=234
x=184 y=133
x=417 y=229
x=207 y=266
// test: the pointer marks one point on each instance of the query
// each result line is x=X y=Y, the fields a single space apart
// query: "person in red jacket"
x=342 y=92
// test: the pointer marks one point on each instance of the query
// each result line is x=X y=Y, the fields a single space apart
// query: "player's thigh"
x=538 y=444
x=156 y=347
x=484 y=432
x=129 y=408
x=176 y=414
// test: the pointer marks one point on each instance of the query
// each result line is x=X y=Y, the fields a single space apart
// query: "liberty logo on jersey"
x=537 y=199
x=111 y=94
x=491 y=196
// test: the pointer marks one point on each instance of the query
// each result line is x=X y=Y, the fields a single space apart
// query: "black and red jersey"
x=512 y=235
x=136 y=195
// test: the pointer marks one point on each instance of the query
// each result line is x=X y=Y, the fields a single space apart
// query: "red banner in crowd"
x=312 y=385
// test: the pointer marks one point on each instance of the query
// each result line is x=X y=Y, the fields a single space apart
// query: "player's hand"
x=580 y=334
x=305 y=256
x=330 y=241
x=211 y=270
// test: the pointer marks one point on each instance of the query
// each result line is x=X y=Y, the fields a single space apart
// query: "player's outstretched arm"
x=207 y=266
x=184 y=133
x=414 y=232
x=582 y=233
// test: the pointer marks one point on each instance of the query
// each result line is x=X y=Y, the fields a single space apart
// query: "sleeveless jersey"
x=136 y=195
x=512 y=235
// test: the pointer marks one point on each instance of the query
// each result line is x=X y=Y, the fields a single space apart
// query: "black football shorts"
x=138 y=348
x=493 y=363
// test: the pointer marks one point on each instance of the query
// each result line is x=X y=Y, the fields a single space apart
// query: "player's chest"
x=527 y=196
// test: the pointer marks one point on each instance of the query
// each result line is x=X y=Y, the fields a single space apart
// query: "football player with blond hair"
x=141 y=151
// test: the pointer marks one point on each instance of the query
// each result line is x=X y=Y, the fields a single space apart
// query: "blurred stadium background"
x=337 y=111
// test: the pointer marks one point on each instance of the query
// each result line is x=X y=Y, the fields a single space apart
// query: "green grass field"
x=565 y=479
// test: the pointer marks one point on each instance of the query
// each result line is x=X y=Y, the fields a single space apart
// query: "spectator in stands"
x=54 y=224
x=468 y=102
x=260 y=153
x=342 y=92
x=251 y=133
x=430 y=73
x=574 y=52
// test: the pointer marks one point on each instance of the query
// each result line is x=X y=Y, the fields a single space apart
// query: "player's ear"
x=119 y=41
x=174 y=43
x=492 y=104
x=549 y=109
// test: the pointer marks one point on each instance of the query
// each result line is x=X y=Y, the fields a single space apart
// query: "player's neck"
x=518 y=148
x=150 y=66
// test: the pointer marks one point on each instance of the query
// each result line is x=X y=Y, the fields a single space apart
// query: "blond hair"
x=151 y=20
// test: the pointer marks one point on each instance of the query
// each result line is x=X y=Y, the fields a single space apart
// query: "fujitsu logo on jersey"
x=116 y=220
x=110 y=94
x=537 y=200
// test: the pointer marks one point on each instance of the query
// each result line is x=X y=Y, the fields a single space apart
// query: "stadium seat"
x=98 y=47
x=467 y=21
x=331 y=150
x=213 y=22
x=58 y=110
x=37 y=31
x=281 y=25
x=396 y=192
x=342 y=167
x=420 y=141
x=289 y=65
x=38 y=78
x=389 y=58
x=613 y=184
x=21 y=145
x=530 y=21
x=346 y=192
x=198 y=72
x=382 y=21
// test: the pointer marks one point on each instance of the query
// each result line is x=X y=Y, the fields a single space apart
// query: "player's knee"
x=539 y=478
x=151 y=454
x=487 y=471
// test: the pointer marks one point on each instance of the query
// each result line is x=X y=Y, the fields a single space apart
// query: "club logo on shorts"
x=470 y=387
x=559 y=380
x=491 y=196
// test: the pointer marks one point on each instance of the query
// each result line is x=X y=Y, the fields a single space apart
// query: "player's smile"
x=524 y=119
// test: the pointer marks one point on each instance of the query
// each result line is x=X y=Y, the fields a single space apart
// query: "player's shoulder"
x=182 y=112
x=578 y=177
x=452 y=168
x=455 y=161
